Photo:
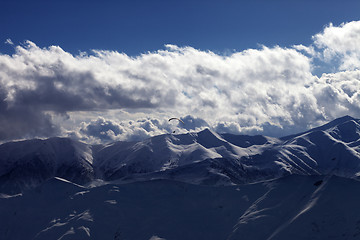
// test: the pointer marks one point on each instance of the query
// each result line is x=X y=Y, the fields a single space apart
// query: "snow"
x=189 y=186
x=292 y=207
x=198 y=158
x=25 y=164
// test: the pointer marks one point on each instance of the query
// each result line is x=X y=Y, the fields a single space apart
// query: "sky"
x=102 y=71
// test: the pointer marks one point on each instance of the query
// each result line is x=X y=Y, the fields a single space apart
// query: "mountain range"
x=199 y=185
x=199 y=158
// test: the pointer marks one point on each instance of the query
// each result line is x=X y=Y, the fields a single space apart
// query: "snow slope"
x=295 y=207
x=27 y=163
x=299 y=207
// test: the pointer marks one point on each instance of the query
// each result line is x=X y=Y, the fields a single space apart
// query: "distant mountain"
x=26 y=164
x=200 y=158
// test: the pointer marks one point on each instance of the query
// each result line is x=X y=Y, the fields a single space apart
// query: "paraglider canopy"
x=176 y=119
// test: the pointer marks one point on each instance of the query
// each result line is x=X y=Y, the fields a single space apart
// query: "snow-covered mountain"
x=200 y=185
x=26 y=164
x=201 y=158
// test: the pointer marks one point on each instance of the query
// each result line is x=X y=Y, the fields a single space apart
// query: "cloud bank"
x=340 y=45
x=270 y=90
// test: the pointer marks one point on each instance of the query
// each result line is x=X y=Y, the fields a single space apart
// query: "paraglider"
x=174 y=118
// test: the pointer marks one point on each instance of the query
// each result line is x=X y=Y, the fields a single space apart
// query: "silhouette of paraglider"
x=178 y=119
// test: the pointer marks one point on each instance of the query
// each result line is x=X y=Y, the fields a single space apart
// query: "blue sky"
x=101 y=71
x=137 y=26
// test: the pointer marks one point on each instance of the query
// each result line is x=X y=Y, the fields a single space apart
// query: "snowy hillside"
x=200 y=158
x=26 y=164
x=295 y=207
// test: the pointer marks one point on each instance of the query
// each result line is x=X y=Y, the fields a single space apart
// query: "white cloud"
x=338 y=94
x=256 y=91
x=107 y=130
x=341 y=44
x=8 y=41
x=310 y=50
x=156 y=238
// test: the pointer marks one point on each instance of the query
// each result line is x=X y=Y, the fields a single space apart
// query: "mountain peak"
x=207 y=132
x=347 y=131
x=340 y=120
x=344 y=128
x=209 y=138
x=326 y=127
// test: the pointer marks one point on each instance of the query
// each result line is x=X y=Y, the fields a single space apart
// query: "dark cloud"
x=23 y=121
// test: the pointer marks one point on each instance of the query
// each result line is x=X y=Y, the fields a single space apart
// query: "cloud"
x=338 y=94
x=17 y=122
x=103 y=130
x=193 y=123
x=340 y=44
x=270 y=91
x=229 y=127
x=8 y=41
x=309 y=50
x=156 y=238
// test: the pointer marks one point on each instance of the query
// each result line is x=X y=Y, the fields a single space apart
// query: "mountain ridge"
x=202 y=157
